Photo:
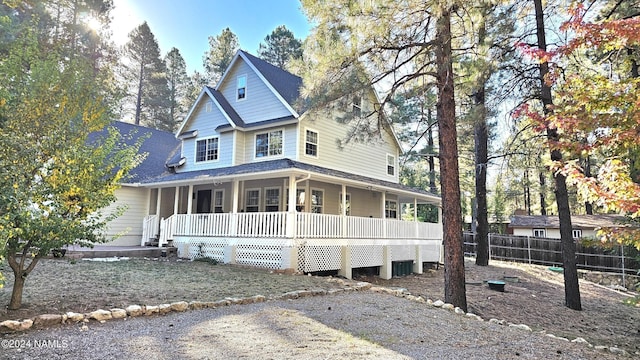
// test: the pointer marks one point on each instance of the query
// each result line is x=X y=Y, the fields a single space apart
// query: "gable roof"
x=283 y=84
x=159 y=146
x=577 y=221
x=221 y=103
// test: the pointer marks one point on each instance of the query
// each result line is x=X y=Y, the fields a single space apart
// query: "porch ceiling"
x=285 y=168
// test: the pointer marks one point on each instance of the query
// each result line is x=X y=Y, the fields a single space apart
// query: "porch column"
x=415 y=221
x=291 y=214
x=344 y=211
x=383 y=199
x=235 y=192
x=176 y=200
x=386 y=270
x=190 y=200
x=158 y=200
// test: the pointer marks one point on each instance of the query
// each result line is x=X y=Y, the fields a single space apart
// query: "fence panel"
x=546 y=251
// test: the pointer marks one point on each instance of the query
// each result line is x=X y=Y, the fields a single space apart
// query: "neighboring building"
x=251 y=177
x=584 y=226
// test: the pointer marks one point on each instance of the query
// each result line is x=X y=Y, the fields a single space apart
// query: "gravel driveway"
x=348 y=325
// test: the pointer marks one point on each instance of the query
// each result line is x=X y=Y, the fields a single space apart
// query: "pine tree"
x=178 y=84
x=280 y=47
x=222 y=48
x=145 y=75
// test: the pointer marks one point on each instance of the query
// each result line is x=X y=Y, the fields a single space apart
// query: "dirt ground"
x=537 y=300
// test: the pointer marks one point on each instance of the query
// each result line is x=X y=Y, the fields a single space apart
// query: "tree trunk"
x=571 y=287
x=543 y=189
x=431 y=159
x=139 y=97
x=481 y=145
x=481 y=137
x=454 y=280
x=20 y=274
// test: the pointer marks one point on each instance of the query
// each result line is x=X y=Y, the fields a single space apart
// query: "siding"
x=206 y=123
x=363 y=159
x=129 y=223
x=289 y=143
x=260 y=102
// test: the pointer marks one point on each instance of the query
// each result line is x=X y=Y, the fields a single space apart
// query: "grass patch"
x=59 y=285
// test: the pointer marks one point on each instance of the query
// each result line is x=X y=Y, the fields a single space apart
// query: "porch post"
x=291 y=214
x=158 y=200
x=176 y=200
x=386 y=270
x=345 y=267
x=190 y=199
x=415 y=220
x=236 y=191
x=383 y=215
x=343 y=212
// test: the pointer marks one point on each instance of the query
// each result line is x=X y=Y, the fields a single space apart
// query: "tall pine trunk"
x=481 y=145
x=571 y=287
x=454 y=280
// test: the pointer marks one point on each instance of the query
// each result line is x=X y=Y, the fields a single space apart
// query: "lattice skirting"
x=311 y=256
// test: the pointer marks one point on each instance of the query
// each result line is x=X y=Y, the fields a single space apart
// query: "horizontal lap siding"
x=368 y=159
x=260 y=103
x=130 y=222
x=206 y=124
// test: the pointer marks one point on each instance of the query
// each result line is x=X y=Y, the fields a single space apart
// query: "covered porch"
x=296 y=219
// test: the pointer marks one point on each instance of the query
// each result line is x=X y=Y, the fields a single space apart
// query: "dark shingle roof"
x=577 y=221
x=228 y=109
x=279 y=164
x=160 y=146
x=285 y=83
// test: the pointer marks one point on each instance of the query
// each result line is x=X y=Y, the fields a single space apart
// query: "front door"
x=203 y=204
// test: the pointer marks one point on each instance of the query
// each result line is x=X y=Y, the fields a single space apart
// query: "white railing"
x=150 y=227
x=307 y=225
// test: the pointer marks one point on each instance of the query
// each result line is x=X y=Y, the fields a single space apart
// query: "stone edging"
x=100 y=315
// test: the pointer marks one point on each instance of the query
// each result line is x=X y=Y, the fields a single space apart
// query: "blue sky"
x=187 y=24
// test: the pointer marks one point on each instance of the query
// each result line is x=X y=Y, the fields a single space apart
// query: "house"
x=584 y=226
x=252 y=178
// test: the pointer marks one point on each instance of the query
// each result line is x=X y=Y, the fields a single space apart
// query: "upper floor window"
x=539 y=232
x=207 y=149
x=391 y=165
x=242 y=87
x=311 y=143
x=356 y=106
x=269 y=144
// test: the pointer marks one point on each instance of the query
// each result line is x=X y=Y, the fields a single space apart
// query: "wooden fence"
x=545 y=251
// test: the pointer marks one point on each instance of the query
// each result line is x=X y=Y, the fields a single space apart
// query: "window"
x=539 y=233
x=317 y=201
x=391 y=165
x=347 y=203
x=252 y=201
x=311 y=143
x=272 y=199
x=207 y=150
x=269 y=144
x=391 y=209
x=577 y=233
x=356 y=106
x=218 y=201
x=299 y=199
x=242 y=87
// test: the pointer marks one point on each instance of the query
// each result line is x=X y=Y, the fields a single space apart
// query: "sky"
x=187 y=24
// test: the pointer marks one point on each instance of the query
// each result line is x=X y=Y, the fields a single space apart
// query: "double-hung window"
x=391 y=165
x=539 y=233
x=272 y=199
x=317 y=201
x=311 y=143
x=356 y=106
x=242 y=87
x=391 y=209
x=269 y=144
x=252 y=200
x=218 y=201
x=207 y=150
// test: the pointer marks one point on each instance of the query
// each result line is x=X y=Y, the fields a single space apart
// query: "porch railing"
x=150 y=227
x=307 y=225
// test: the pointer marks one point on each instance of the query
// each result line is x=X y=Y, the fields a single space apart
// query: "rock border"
x=101 y=315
